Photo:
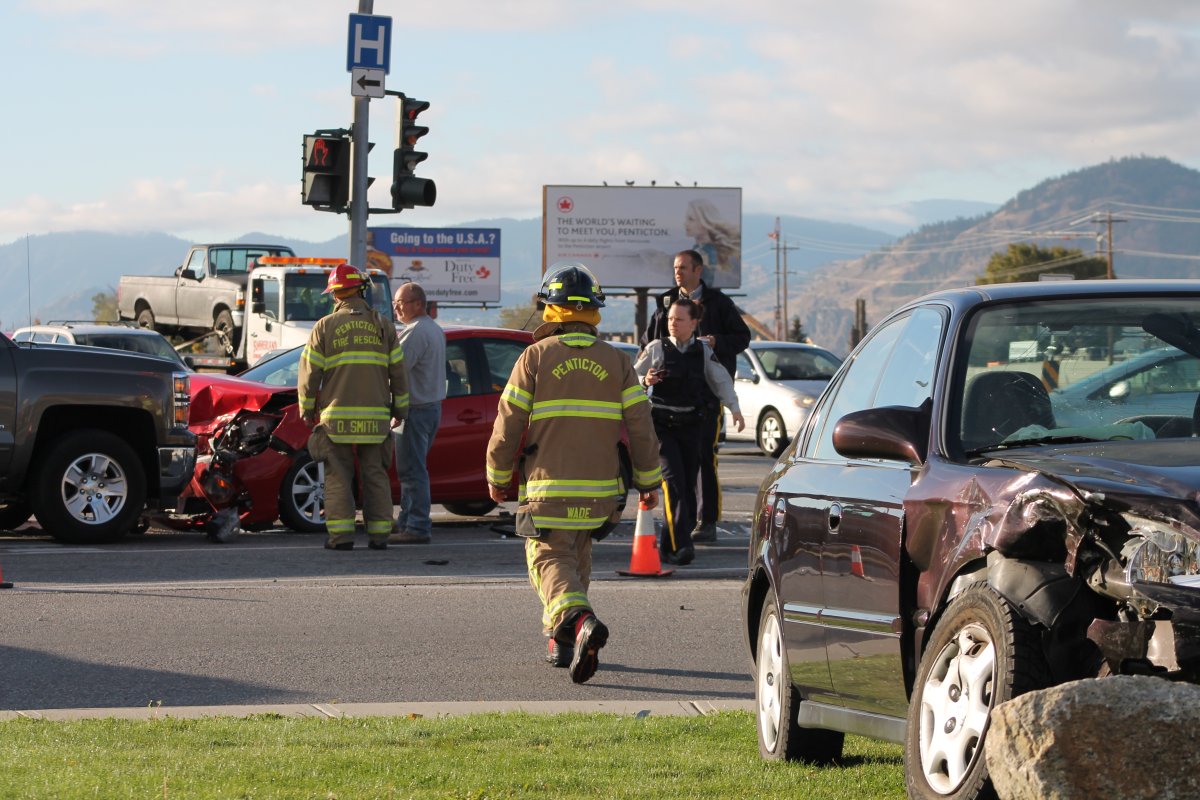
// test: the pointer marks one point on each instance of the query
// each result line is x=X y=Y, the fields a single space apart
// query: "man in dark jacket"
x=726 y=334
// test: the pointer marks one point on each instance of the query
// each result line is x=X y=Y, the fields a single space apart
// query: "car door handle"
x=835 y=517
x=469 y=416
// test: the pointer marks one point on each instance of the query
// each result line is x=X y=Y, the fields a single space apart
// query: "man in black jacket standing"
x=726 y=333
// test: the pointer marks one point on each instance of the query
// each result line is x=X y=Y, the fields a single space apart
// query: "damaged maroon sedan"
x=954 y=526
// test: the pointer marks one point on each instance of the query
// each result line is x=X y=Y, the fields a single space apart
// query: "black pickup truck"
x=89 y=437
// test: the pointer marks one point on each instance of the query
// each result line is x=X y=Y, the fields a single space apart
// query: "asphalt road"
x=273 y=618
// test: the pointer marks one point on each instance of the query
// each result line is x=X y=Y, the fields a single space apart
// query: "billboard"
x=451 y=264
x=629 y=235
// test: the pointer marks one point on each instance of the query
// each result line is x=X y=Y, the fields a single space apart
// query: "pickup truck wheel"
x=14 y=514
x=224 y=324
x=302 y=495
x=88 y=487
x=145 y=319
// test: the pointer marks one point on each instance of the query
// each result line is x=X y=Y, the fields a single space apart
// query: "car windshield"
x=153 y=345
x=303 y=299
x=797 y=363
x=282 y=370
x=1070 y=370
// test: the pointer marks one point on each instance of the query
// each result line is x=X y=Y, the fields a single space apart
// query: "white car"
x=111 y=335
x=777 y=384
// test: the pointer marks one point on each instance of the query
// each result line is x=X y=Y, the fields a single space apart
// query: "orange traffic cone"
x=644 y=563
x=856 y=565
x=3 y=583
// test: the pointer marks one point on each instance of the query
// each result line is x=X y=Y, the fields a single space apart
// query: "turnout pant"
x=339 y=460
x=679 y=453
x=560 y=569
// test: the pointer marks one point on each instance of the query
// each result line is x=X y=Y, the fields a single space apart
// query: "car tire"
x=14 y=514
x=982 y=653
x=302 y=495
x=470 y=508
x=88 y=487
x=772 y=434
x=777 y=702
x=223 y=324
x=145 y=319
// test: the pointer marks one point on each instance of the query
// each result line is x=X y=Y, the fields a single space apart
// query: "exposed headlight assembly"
x=1158 y=553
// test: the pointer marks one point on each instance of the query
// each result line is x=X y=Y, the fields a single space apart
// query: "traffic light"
x=409 y=191
x=326 y=172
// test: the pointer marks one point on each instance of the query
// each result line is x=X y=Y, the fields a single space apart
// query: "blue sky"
x=187 y=118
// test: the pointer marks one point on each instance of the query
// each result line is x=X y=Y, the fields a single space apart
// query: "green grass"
x=594 y=756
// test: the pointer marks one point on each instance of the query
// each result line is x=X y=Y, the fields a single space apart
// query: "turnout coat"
x=559 y=423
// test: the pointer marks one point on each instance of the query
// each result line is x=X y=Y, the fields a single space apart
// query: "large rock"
x=1122 y=737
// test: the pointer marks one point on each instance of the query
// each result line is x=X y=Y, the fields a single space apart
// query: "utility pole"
x=778 y=323
x=358 y=175
x=1111 y=274
x=787 y=320
x=1107 y=220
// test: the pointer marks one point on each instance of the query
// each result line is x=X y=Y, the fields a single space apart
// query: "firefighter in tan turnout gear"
x=568 y=395
x=352 y=383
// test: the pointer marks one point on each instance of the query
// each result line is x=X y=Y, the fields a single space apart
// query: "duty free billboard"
x=452 y=264
x=629 y=235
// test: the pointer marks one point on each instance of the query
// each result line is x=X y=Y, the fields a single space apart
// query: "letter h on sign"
x=369 y=45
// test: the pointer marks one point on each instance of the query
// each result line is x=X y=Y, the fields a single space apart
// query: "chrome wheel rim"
x=955 y=702
x=94 y=489
x=308 y=492
x=771 y=434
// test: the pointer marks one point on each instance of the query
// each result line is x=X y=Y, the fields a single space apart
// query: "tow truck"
x=285 y=301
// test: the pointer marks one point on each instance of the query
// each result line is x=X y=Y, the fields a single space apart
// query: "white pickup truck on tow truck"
x=283 y=300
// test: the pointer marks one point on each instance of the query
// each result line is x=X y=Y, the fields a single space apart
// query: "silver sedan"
x=777 y=384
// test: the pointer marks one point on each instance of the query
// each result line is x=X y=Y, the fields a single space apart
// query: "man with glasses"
x=424 y=346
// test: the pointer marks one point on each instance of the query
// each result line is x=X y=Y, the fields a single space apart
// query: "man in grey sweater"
x=424 y=346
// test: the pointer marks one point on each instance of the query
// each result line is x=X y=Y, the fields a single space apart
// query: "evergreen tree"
x=1025 y=262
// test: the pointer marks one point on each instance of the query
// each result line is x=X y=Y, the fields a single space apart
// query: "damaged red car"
x=252 y=466
x=954 y=526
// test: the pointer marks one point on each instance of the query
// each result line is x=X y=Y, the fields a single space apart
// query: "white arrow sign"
x=366 y=82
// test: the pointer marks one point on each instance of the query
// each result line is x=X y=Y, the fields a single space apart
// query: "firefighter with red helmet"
x=352 y=384
x=567 y=398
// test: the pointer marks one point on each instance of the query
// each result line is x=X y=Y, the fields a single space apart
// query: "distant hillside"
x=1139 y=191
x=55 y=276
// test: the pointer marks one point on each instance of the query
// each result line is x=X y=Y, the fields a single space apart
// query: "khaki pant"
x=339 y=459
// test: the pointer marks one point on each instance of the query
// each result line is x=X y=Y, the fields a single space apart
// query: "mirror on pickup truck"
x=187 y=273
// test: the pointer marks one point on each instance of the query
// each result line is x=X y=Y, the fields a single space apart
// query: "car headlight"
x=1157 y=553
x=803 y=401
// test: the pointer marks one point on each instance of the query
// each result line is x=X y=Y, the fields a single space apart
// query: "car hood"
x=215 y=395
x=809 y=387
x=1167 y=468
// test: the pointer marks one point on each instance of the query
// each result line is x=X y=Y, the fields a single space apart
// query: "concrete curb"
x=633 y=708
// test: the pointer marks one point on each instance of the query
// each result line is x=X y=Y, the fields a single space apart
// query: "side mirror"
x=742 y=375
x=190 y=361
x=897 y=433
x=1119 y=390
x=187 y=274
x=258 y=307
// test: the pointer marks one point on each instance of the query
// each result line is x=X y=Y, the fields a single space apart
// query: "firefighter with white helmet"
x=567 y=398
x=352 y=383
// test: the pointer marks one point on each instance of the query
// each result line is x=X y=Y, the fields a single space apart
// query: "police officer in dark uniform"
x=685 y=381
x=726 y=334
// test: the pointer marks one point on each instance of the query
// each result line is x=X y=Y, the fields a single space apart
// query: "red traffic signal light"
x=326 y=182
x=409 y=191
